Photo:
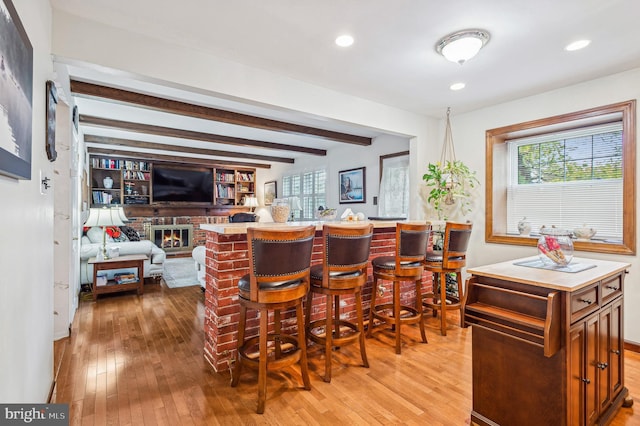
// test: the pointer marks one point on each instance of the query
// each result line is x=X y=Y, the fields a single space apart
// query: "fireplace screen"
x=173 y=237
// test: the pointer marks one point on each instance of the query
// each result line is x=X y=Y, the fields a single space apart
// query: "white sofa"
x=199 y=254
x=153 y=266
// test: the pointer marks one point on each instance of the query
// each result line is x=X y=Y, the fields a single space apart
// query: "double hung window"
x=566 y=171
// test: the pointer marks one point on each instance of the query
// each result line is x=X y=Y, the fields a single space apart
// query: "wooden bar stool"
x=343 y=272
x=451 y=259
x=406 y=265
x=279 y=263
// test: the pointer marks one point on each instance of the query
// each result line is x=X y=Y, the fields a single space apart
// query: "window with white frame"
x=569 y=171
x=310 y=188
x=568 y=179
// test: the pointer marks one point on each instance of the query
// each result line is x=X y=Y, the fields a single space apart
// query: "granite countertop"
x=241 y=228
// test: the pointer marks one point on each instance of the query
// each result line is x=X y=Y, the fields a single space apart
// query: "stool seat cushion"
x=389 y=262
x=316 y=273
x=436 y=257
x=244 y=285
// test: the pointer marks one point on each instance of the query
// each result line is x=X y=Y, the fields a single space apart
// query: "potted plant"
x=450 y=184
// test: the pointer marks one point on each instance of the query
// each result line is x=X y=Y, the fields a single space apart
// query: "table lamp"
x=294 y=204
x=251 y=201
x=104 y=217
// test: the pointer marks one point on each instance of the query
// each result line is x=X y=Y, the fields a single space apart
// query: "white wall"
x=26 y=250
x=342 y=158
x=469 y=138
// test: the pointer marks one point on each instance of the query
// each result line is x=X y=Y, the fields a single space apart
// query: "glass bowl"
x=555 y=246
x=326 y=214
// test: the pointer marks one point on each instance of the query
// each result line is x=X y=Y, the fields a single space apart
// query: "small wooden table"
x=120 y=262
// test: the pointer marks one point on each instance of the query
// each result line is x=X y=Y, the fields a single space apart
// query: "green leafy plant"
x=450 y=184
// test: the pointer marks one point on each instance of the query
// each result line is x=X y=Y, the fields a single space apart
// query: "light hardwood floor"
x=139 y=361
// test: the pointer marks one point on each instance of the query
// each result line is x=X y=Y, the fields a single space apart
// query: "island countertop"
x=241 y=228
x=565 y=281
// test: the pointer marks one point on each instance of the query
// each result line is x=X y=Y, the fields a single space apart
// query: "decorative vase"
x=280 y=210
x=108 y=182
x=584 y=233
x=555 y=246
x=524 y=227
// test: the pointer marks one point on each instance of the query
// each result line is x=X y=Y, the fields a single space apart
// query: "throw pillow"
x=131 y=233
x=95 y=235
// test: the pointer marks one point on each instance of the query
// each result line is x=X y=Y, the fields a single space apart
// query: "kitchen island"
x=548 y=345
x=227 y=261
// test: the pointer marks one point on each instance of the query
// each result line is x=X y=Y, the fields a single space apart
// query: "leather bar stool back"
x=343 y=272
x=279 y=264
x=451 y=259
x=407 y=265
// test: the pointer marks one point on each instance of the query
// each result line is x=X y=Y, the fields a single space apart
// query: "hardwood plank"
x=139 y=360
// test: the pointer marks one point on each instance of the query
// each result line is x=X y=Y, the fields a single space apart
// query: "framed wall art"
x=352 y=186
x=270 y=192
x=16 y=87
x=52 y=101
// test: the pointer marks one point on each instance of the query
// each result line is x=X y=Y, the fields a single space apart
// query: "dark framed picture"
x=270 y=192
x=352 y=186
x=16 y=87
x=52 y=101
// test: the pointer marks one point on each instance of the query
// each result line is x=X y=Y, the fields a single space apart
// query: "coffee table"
x=120 y=262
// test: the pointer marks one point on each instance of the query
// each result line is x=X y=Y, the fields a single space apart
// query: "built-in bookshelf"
x=130 y=182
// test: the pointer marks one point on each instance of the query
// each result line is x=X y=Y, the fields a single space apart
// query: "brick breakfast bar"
x=227 y=260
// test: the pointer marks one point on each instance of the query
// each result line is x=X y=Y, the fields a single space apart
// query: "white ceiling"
x=393 y=60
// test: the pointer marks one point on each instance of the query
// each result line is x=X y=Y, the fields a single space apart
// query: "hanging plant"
x=450 y=180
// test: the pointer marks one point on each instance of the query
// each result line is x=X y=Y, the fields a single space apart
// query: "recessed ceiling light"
x=457 y=86
x=577 y=45
x=344 y=40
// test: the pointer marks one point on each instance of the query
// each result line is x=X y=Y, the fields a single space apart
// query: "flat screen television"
x=179 y=185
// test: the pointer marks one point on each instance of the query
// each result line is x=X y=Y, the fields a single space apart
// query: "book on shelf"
x=125 y=278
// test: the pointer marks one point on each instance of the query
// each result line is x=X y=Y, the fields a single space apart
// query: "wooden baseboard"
x=634 y=347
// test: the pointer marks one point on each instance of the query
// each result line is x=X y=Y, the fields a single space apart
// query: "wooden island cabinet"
x=547 y=345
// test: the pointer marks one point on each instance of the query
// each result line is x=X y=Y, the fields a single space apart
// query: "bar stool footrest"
x=250 y=352
x=353 y=336
x=408 y=314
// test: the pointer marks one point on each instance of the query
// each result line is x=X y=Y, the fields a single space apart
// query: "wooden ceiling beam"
x=190 y=134
x=95 y=91
x=147 y=156
x=104 y=140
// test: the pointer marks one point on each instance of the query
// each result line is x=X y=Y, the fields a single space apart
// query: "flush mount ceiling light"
x=462 y=45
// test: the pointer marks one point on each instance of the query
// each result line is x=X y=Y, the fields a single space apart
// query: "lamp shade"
x=104 y=217
x=120 y=212
x=294 y=203
x=250 y=201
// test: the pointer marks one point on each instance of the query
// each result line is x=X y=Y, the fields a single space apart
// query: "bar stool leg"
x=302 y=346
x=374 y=293
x=277 y=329
x=328 y=332
x=363 y=351
x=396 y=315
x=460 y=297
x=419 y=309
x=235 y=376
x=443 y=303
x=262 y=365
